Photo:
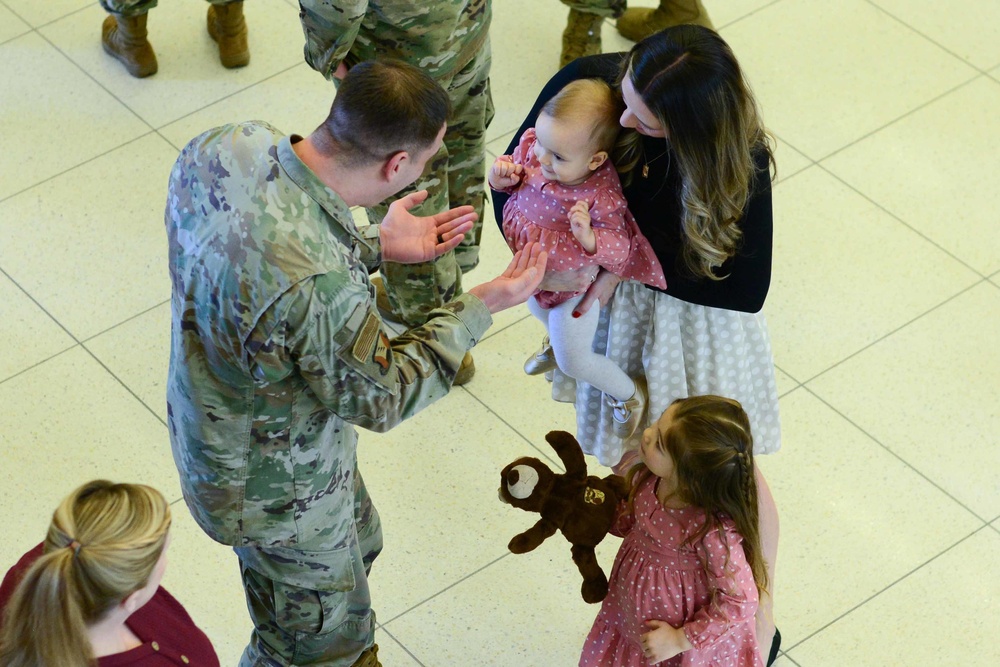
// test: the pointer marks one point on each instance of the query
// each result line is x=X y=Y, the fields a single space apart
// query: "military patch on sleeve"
x=365 y=346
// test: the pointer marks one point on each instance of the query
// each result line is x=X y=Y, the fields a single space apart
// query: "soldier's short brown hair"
x=383 y=107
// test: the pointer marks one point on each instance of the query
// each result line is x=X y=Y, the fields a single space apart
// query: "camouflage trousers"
x=455 y=176
x=613 y=8
x=134 y=7
x=300 y=626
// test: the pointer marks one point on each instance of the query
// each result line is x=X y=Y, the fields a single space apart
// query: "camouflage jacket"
x=277 y=349
x=440 y=37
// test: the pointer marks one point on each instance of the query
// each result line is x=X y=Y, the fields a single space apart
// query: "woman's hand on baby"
x=600 y=292
x=573 y=280
x=663 y=641
x=504 y=174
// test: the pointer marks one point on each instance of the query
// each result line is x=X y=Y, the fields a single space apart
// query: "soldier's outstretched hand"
x=408 y=239
x=517 y=282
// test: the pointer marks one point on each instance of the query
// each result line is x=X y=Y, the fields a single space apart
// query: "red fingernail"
x=576 y=314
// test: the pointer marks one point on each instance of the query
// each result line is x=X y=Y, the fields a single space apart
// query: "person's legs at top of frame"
x=638 y=23
x=582 y=36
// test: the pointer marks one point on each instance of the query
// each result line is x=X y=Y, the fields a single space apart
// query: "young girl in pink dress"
x=565 y=194
x=685 y=584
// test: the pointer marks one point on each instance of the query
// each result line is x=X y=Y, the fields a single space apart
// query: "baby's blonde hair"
x=590 y=101
x=102 y=545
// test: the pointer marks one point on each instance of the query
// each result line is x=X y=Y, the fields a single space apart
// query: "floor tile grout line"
x=900 y=220
x=927 y=37
x=404 y=647
x=895 y=454
x=444 y=590
x=39 y=363
x=909 y=113
x=124 y=322
x=80 y=164
x=122 y=383
x=884 y=589
x=894 y=331
x=527 y=440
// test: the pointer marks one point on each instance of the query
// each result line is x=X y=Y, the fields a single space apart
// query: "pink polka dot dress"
x=658 y=577
x=538 y=210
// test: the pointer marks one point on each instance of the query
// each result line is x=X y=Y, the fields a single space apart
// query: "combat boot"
x=638 y=23
x=229 y=30
x=369 y=658
x=582 y=36
x=124 y=39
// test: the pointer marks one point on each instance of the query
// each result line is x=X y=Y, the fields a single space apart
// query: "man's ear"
x=597 y=159
x=394 y=164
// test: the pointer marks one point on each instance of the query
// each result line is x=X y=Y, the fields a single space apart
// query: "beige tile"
x=204 y=576
x=917 y=167
x=522 y=401
x=720 y=13
x=785 y=382
x=391 y=652
x=10 y=25
x=828 y=73
x=39 y=13
x=31 y=334
x=138 y=353
x=190 y=76
x=968 y=28
x=40 y=87
x=841 y=498
x=65 y=422
x=788 y=160
x=525 y=56
x=945 y=613
x=498 y=146
x=836 y=286
x=930 y=394
x=101 y=227
x=434 y=480
x=521 y=610
x=295 y=101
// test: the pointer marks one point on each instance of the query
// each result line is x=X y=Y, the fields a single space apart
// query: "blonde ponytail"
x=102 y=546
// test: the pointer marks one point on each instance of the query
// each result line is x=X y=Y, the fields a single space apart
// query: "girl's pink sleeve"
x=624 y=519
x=735 y=595
x=607 y=218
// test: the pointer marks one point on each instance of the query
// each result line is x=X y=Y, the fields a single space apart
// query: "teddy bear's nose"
x=512 y=477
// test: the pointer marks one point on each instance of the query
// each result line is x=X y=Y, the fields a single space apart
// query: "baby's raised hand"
x=579 y=217
x=504 y=174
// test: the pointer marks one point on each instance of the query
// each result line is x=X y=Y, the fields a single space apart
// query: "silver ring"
x=593 y=278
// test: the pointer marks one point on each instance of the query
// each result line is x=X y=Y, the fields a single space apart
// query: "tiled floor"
x=884 y=312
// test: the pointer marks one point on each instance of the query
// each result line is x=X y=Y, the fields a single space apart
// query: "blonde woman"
x=90 y=593
x=700 y=190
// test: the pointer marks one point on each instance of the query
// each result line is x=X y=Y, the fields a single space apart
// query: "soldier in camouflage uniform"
x=449 y=40
x=278 y=352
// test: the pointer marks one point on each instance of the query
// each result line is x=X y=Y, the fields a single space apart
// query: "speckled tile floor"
x=884 y=313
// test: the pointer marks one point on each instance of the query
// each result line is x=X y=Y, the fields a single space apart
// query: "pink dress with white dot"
x=705 y=586
x=538 y=210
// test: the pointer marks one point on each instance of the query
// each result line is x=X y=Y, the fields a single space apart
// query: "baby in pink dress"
x=684 y=587
x=566 y=195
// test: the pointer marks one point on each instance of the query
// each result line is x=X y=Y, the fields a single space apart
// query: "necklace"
x=645 y=166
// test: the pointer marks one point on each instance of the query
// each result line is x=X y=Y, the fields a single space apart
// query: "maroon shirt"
x=169 y=636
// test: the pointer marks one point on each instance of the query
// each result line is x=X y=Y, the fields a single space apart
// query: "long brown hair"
x=710 y=443
x=102 y=546
x=690 y=79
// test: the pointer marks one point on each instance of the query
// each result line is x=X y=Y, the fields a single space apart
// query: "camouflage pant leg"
x=613 y=8
x=456 y=176
x=134 y=7
x=298 y=626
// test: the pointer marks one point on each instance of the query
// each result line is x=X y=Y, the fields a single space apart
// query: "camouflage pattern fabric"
x=134 y=7
x=308 y=627
x=277 y=353
x=449 y=40
x=613 y=8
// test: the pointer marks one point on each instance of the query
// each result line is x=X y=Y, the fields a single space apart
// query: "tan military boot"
x=638 y=23
x=229 y=30
x=124 y=39
x=582 y=36
x=369 y=658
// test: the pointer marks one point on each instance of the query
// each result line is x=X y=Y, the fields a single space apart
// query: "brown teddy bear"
x=582 y=507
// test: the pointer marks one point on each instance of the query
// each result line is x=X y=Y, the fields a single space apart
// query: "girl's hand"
x=504 y=174
x=663 y=641
x=579 y=224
